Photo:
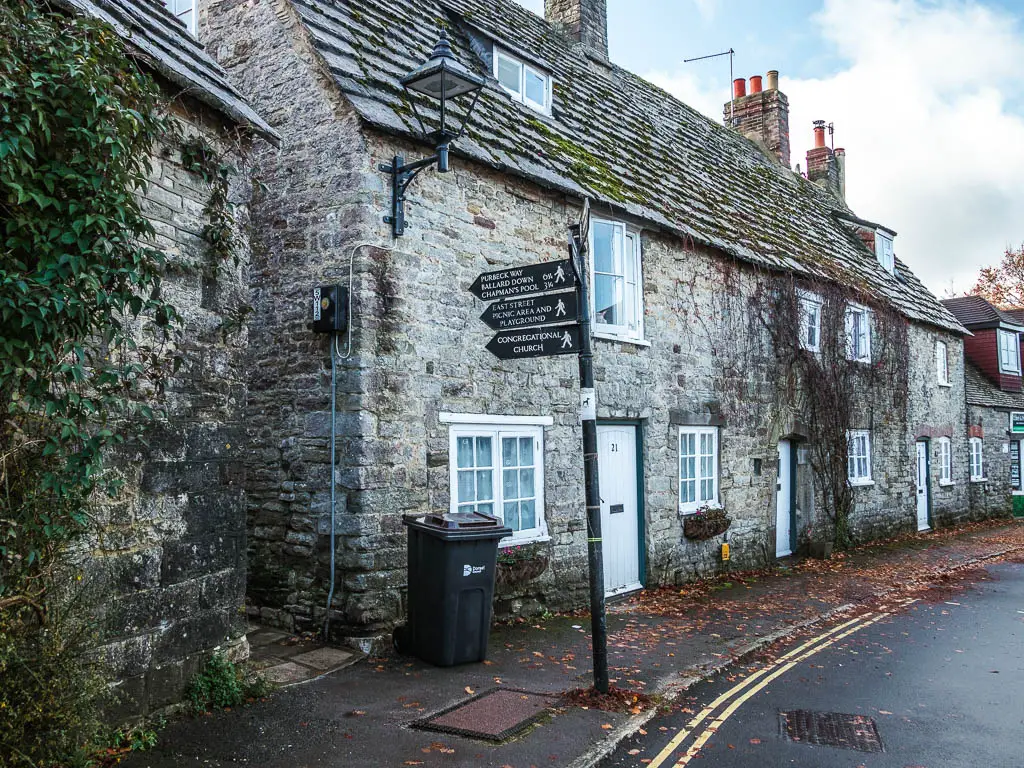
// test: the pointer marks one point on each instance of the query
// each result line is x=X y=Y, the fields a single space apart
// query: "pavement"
x=933 y=682
x=661 y=642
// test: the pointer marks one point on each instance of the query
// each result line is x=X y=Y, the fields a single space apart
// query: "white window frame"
x=942 y=364
x=977 y=460
x=519 y=94
x=183 y=7
x=496 y=428
x=809 y=306
x=884 y=251
x=632 y=265
x=945 y=448
x=854 y=458
x=700 y=476
x=1009 y=346
x=858 y=340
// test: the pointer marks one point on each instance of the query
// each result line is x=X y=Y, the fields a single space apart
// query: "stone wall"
x=993 y=496
x=170 y=559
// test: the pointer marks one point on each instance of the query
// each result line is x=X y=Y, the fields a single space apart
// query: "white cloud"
x=933 y=148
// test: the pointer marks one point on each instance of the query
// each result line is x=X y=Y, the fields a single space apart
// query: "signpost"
x=516 y=315
x=523 y=281
x=535 y=310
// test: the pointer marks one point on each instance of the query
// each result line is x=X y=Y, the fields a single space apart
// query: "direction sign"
x=531 y=310
x=540 y=342
x=523 y=281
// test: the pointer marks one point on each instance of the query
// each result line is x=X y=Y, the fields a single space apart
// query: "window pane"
x=511 y=518
x=487 y=509
x=484 y=489
x=483 y=452
x=467 y=489
x=527 y=515
x=707 y=490
x=508 y=451
x=508 y=73
x=464 y=449
x=510 y=484
x=526 y=452
x=688 y=491
x=608 y=299
x=604 y=246
x=536 y=89
x=526 y=484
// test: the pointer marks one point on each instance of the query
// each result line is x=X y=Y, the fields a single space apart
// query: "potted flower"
x=520 y=563
x=706 y=523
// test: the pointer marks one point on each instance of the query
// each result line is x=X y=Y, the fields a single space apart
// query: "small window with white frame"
x=977 y=460
x=858 y=333
x=884 y=251
x=698 y=468
x=859 y=457
x=498 y=469
x=1009 y=352
x=185 y=10
x=810 y=321
x=942 y=363
x=526 y=84
x=617 y=302
x=945 y=461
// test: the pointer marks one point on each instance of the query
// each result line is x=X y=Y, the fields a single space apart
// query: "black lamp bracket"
x=402 y=175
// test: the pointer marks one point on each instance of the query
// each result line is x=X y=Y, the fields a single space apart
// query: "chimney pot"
x=739 y=88
x=755 y=84
x=819 y=134
x=773 y=79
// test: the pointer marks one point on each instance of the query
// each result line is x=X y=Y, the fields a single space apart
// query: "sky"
x=926 y=96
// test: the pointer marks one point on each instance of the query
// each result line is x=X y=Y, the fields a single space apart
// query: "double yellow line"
x=741 y=692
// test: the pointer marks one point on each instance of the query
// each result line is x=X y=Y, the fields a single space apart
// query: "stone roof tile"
x=981 y=391
x=612 y=136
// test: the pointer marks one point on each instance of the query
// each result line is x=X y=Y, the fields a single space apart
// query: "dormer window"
x=185 y=10
x=884 y=251
x=1009 y=353
x=523 y=82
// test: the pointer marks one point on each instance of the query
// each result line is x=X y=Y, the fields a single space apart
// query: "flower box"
x=706 y=523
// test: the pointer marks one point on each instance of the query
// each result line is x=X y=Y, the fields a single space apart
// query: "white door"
x=784 y=500
x=922 y=486
x=616 y=460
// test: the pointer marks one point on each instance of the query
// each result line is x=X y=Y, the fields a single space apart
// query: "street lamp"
x=440 y=78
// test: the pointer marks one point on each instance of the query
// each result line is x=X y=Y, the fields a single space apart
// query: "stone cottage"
x=696 y=229
x=171 y=555
x=995 y=404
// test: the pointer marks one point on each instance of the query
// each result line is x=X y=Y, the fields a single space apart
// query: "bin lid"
x=453 y=521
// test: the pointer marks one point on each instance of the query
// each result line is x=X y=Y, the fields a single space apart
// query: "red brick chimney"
x=823 y=166
x=761 y=115
x=585 y=21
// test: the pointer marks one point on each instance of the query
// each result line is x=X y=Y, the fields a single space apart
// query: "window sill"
x=946 y=483
x=687 y=511
x=621 y=339
x=979 y=479
x=946 y=384
x=514 y=541
x=861 y=483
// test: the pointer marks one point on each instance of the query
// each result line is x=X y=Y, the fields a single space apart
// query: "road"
x=941 y=679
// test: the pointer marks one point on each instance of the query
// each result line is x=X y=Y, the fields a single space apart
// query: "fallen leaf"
x=633 y=752
x=607 y=726
x=643 y=732
x=413 y=762
x=469 y=690
x=755 y=741
x=884 y=712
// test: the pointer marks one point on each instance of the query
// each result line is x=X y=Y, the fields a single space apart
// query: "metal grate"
x=494 y=715
x=831 y=729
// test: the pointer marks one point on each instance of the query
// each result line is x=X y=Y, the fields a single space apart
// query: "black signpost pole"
x=595 y=555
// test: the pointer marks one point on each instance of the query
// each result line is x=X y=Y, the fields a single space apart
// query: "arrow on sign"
x=512 y=345
x=523 y=281
x=533 y=310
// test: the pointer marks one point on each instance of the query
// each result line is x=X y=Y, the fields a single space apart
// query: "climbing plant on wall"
x=82 y=329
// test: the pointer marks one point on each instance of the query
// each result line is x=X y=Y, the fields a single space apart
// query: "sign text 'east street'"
x=533 y=310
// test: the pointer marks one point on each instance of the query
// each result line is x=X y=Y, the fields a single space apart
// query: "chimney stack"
x=824 y=167
x=763 y=115
x=585 y=21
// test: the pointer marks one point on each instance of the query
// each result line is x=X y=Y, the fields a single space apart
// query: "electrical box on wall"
x=330 y=309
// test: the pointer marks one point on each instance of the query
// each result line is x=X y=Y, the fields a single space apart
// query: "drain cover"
x=831 y=729
x=495 y=715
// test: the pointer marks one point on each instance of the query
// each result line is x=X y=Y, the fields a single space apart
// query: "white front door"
x=922 y=485
x=784 y=500
x=616 y=460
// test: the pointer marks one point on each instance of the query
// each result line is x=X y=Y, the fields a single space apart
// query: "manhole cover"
x=495 y=715
x=831 y=729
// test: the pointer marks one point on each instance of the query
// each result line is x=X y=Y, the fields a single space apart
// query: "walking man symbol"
x=566 y=340
x=560 y=308
x=559 y=274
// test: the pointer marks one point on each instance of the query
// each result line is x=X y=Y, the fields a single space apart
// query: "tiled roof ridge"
x=164 y=44
x=973 y=309
x=627 y=144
